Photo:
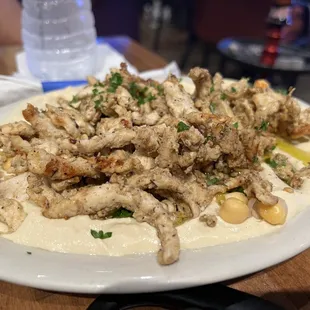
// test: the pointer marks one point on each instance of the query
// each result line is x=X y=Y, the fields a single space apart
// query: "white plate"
x=141 y=273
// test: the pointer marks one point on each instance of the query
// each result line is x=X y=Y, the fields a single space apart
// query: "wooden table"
x=287 y=284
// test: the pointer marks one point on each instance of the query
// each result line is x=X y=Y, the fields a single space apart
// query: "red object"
x=277 y=18
x=215 y=20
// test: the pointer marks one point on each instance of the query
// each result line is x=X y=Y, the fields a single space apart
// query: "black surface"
x=209 y=297
x=247 y=60
x=246 y=56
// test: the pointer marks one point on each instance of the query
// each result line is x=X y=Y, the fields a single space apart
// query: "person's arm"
x=10 y=22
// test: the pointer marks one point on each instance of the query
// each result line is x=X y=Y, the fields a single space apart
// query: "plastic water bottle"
x=59 y=38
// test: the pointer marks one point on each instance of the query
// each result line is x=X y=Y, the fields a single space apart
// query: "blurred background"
x=222 y=35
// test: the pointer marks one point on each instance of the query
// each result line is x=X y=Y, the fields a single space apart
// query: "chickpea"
x=237 y=195
x=274 y=215
x=263 y=84
x=234 y=211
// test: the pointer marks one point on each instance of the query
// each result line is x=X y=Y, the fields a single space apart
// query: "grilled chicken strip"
x=59 y=168
x=80 y=122
x=88 y=201
x=42 y=124
x=178 y=100
x=18 y=128
x=118 y=162
x=253 y=184
x=114 y=140
x=195 y=195
x=12 y=214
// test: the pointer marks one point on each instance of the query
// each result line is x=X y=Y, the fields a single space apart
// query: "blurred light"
x=80 y=3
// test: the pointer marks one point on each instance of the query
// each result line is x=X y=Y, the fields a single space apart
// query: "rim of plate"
x=93 y=274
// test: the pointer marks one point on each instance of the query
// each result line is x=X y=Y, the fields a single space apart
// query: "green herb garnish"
x=233 y=90
x=212 y=181
x=182 y=127
x=273 y=147
x=223 y=96
x=100 y=234
x=98 y=102
x=212 y=89
x=238 y=189
x=255 y=160
x=263 y=126
x=212 y=107
x=95 y=92
x=99 y=84
x=114 y=81
x=208 y=138
x=272 y=163
x=160 y=90
x=236 y=125
x=122 y=213
x=140 y=94
x=75 y=99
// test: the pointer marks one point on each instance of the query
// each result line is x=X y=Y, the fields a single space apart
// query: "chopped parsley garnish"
x=180 y=80
x=100 y=234
x=236 y=125
x=149 y=98
x=182 y=127
x=95 y=92
x=99 y=84
x=233 y=90
x=273 y=147
x=272 y=163
x=238 y=189
x=98 y=102
x=212 y=89
x=212 y=181
x=75 y=99
x=212 y=107
x=114 y=81
x=29 y=253
x=223 y=96
x=282 y=91
x=140 y=94
x=263 y=126
x=208 y=138
x=122 y=213
x=160 y=90
x=255 y=160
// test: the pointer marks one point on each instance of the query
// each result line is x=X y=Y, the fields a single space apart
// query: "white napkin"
x=23 y=85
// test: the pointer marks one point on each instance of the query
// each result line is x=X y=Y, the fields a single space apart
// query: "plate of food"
x=129 y=185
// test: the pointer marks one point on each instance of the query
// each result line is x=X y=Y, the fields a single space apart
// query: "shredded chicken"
x=12 y=214
x=21 y=128
x=88 y=201
x=149 y=147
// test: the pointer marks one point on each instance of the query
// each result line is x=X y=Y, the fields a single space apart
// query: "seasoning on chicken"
x=149 y=147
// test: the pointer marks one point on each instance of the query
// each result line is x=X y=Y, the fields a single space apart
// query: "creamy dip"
x=129 y=237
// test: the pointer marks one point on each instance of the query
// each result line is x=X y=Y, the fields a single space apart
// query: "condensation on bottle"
x=59 y=38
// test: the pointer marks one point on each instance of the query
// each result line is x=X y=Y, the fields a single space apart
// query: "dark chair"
x=215 y=20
